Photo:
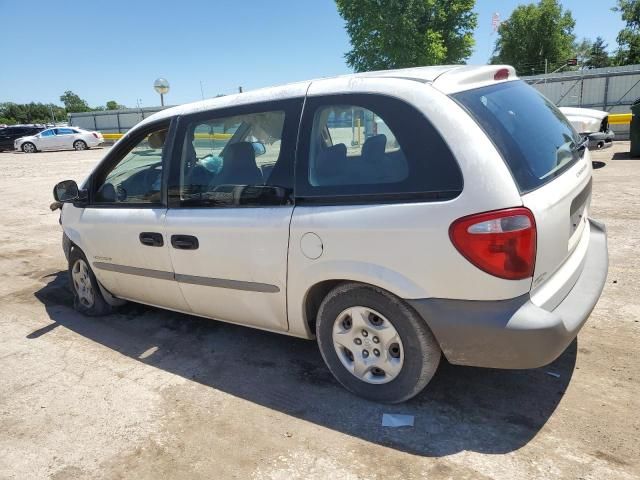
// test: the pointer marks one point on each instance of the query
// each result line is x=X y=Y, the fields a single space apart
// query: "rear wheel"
x=28 y=147
x=375 y=344
x=79 y=145
x=87 y=297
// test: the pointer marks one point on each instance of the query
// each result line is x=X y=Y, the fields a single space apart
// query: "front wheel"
x=79 y=145
x=28 y=147
x=375 y=344
x=87 y=297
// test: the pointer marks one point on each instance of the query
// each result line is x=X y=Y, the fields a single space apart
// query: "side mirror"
x=66 y=191
x=259 y=148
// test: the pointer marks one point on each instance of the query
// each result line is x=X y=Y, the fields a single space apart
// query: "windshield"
x=535 y=139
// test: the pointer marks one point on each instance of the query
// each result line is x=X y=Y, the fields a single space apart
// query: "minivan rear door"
x=549 y=163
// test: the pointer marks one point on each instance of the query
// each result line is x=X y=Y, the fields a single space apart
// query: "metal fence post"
x=606 y=92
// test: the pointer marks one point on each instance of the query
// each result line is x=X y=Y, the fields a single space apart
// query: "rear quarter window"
x=366 y=148
x=534 y=138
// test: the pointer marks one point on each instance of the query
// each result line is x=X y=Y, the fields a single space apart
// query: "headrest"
x=241 y=153
x=156 y=139
x=374 y=145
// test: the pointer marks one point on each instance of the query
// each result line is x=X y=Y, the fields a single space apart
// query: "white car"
x=593 y=124
x=59 y=138
x=462 y=230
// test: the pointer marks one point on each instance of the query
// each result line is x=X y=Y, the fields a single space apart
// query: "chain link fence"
x=611 y=89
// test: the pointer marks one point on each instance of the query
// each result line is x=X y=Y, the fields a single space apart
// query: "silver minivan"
x=394 y=216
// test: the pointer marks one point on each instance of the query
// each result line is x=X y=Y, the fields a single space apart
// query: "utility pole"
x=240 y=89
x=201 y=90
x=546 y=64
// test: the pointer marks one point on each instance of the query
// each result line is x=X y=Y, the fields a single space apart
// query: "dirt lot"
x=153 y=394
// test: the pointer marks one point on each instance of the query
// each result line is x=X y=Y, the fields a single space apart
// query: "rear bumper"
x=601 y=139
x=516 y=333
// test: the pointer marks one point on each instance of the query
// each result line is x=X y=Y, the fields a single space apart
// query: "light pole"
x=161 y=86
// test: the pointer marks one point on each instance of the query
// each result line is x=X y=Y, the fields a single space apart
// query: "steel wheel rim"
x=28 y=148
x=368 y=345
x=82 y=283
x=79 y=145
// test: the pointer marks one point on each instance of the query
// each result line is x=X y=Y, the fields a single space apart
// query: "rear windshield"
x=535 y=139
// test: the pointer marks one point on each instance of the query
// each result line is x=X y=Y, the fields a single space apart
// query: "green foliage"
x=73 y=103
x=407 y=33
x=12 y=113
x=533 y=33
x=113 y=105
x=15 y=113
x=628 y=52
x=597 y=56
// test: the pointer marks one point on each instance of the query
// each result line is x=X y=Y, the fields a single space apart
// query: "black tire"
x=27 y=145
x=99 y=306
x=80 y=145
x=421 y=350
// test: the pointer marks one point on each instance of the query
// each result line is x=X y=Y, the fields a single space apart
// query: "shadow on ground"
x=623 y=156
x=481 y=410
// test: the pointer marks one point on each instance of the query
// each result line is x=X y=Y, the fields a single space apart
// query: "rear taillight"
x=502 y=74
x=501 y=243
x=95 y=134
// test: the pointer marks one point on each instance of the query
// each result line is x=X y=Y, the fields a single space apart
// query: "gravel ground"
x=146 y=393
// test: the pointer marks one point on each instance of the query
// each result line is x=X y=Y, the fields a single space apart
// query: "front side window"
x=137 y=177
x=47 y=133
x=234 y=161
x=367 y=148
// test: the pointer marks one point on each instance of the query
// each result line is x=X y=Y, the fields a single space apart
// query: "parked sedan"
x=59 y=139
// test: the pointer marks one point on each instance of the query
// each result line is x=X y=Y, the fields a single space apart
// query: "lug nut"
x=376 y=352
x=357 y=341
x=375 y=340
x=365 y=353
x=365 y=333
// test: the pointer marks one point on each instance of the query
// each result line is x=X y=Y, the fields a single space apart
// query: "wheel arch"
x=317 y=292
x=306 y=291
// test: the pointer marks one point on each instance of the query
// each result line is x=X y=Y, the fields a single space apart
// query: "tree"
x=582 y=50
x=533 y=33
x=597 y=56
x=395 y=33
x=113 y=105
x=73 y=103
x=628 y=52
x=13 y=113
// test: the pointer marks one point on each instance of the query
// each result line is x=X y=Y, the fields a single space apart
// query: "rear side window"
x=351 y=145
x=368 y=148
x=535 y=139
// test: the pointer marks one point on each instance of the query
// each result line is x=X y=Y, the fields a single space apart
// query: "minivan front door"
x=122 y=230
x=229 y=211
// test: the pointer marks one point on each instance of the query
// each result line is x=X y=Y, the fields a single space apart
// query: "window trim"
x=292 y=108
x=312 y=105
x=122 y=148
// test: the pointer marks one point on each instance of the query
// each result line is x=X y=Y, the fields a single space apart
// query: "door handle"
x=184 y=242
x=151 y=239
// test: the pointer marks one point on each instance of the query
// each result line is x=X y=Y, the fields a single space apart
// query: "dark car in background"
x=9 y=134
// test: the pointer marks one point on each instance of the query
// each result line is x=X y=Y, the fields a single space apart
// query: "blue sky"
x=115 y=50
